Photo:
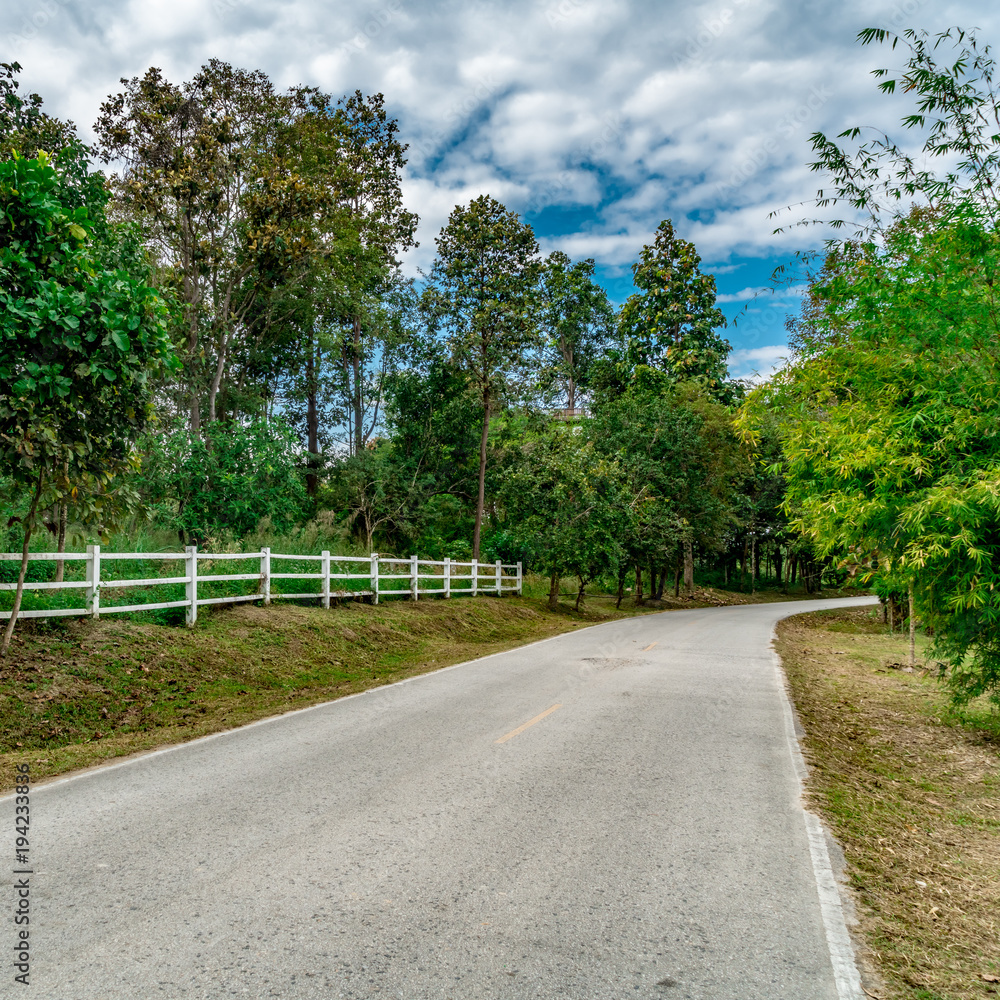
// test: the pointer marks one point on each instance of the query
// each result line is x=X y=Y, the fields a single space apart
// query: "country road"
x=607 y=814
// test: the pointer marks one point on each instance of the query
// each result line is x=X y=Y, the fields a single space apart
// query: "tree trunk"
x=312 y=422
x=638 y=583
x=61 y=544
x=689 y=567
x=662 y=585
x=913 y=628
x=622 y=572
x=743 y=567
x=579 y=595
x=220 y=369
x=481 y=501
x=754 y=565
x=359 y=434
x=554 y=590
x=29 y=524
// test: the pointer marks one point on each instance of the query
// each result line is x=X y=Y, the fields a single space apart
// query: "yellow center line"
x=650 y=646
x=528 y=725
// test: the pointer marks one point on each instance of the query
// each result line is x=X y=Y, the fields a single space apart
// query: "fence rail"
x=425 y=578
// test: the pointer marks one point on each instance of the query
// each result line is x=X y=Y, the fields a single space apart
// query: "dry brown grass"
x=912 y=792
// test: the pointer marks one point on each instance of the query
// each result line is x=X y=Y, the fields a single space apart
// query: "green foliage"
x=957 y=110
x=224 y=481
x=668 y=328
x=889 y=425
x=78 y=341
x=482 y=297
x=568 y=508
x=578 y=323
x=682 y=462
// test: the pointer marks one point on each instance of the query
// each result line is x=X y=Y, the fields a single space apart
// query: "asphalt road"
x=643 y=839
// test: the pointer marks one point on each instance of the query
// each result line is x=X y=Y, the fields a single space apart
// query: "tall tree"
x=482 y=294
x=374 y=159
x=669 y=327
x=577 y=320
x=195 y=158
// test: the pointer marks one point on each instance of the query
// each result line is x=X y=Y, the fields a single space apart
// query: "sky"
x=594 y=119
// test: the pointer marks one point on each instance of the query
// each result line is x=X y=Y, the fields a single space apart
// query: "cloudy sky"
x=596 y=119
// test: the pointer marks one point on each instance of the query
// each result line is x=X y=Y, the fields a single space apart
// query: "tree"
x=577 y=321
x=374 y=159
x=681 y=459
x=225 y=480
x=668 y=328
x=567 y=506
x=482 y=294
x=888 y=424
x=208 y=171
x=888 y=414
x=81 y=334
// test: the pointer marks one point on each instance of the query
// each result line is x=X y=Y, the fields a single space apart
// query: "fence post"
x=519 y=580
x=94 y=580
x=191 y=587
x=374 y=584
x=499 y=578
x=414 y=577
x=475 y=577
x=447 y=578
x=265 y=575
x=326 y=578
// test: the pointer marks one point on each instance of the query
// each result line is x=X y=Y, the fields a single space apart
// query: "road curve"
x=459 y=836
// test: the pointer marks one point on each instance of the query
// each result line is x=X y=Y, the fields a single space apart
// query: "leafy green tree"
x=232 y=184
x=482 y=295
x=224 y=480
x=888 y=413
x=81 y=335
x=567 y=507
x=683 y=463
x=888 y=422
x=577 y=321
x=668 y=328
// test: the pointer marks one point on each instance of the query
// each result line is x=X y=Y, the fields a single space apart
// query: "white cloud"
x=615 y=114
x=758 y=363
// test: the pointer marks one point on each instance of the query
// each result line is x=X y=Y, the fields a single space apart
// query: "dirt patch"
x=912 y=792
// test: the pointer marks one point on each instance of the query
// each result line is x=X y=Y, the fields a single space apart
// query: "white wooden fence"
x=424 y=577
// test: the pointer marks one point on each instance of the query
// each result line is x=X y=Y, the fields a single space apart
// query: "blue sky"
x=596 y=119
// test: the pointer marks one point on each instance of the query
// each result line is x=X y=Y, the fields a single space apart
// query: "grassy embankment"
x=911 y=789
x=77 y=692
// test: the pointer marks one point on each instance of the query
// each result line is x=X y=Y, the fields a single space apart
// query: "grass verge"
x=911 y=790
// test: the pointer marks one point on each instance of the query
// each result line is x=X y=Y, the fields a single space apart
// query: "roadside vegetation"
x=910 y=787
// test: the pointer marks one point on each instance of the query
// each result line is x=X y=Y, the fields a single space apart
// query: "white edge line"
x=138 y=758
x=838 y=938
